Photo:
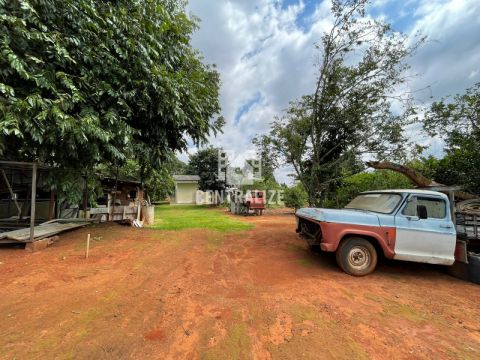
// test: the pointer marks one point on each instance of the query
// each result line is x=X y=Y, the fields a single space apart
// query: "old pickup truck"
x=411 y=225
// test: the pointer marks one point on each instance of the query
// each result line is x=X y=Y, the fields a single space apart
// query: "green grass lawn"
x=171 y=217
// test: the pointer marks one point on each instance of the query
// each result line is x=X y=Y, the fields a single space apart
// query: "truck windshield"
x=381 y=203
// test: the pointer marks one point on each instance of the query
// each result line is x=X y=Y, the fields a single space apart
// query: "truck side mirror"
x=422 y=212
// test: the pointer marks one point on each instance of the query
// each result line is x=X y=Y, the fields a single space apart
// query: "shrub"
x=295 y=197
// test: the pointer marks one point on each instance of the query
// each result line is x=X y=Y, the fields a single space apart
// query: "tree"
x=295 y=197
x=204 y=163
x=324 y=134
x=156 y=179
x=457 y=119
x=268 y=159
x=458 y=123
x=82 y=81
x=365 y=181
x=410 y=173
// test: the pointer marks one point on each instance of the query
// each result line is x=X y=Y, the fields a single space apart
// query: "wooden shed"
x=122 y=199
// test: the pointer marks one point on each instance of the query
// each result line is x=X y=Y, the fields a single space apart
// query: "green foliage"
x=458 y=119
x=458 y=122
x=82 y=82
x=168 y=217
x=160 y=185
x=269 y=160
x=460 y=166
x=323 y=135
x=365 y=181
x=295 y=197
x=70 y=185
x=427 y=166
x=157 y=179
x=204 y=163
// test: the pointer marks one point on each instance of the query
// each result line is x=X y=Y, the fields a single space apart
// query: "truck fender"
x=384 y=240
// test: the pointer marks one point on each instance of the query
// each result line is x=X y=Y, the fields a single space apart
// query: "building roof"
x=190 y=178
x=110 y=180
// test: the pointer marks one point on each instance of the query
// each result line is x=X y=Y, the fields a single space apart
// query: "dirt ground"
x=196 y=294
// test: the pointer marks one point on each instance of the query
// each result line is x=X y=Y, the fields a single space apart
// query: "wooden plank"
x=41 y=231
x=2 y=162
x=6 y=241
x=68 y=221
x=99 y=210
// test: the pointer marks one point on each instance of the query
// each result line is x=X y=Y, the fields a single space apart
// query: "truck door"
x=431 y=239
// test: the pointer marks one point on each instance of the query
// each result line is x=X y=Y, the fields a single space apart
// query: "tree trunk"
x=417 y=178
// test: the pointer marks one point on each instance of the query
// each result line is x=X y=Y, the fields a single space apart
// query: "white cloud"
x=266 y=49
x=473 y=74
x=259 y=49
x=452 y=54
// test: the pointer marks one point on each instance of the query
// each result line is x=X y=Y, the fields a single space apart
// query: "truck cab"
x=411 y=225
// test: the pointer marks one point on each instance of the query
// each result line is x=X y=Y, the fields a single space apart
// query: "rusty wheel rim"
x=359 y=257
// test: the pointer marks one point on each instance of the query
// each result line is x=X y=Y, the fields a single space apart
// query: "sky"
x=265 y=53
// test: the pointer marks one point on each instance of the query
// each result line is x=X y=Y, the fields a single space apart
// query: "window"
x=383 y=203
x=435 y=207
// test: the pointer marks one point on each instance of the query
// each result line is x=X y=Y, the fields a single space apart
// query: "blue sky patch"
x=400 y=14
x=303 y=20
x=246 y=107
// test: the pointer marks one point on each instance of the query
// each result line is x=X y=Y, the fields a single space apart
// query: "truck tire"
x=357 y=256
x=474 y=268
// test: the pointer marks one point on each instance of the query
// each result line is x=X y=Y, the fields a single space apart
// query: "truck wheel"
x=474 y=268
x=357 y=256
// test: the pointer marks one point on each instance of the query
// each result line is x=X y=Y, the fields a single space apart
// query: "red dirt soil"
x=197 y=294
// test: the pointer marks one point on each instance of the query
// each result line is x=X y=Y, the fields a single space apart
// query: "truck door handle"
x=446 y=226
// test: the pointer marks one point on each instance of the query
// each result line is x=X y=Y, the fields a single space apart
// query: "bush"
x=365 y=181
x=295 y=197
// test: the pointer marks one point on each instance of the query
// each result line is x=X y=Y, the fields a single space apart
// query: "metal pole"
x=33 y=198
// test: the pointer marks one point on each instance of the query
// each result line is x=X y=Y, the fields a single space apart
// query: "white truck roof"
x=409 y=191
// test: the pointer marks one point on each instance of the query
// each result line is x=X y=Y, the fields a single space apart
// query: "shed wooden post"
x=51 y=204
x=12 y=195
x=33 y=199
x=114 y=196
